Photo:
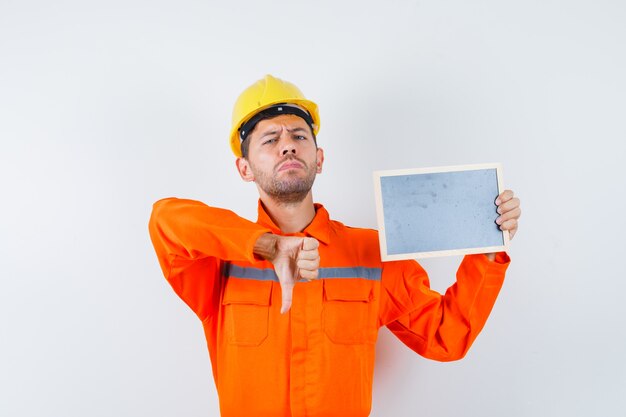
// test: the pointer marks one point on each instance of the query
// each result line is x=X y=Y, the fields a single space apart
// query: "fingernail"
x=499 y=210
x=499 y=220
x=498 y=201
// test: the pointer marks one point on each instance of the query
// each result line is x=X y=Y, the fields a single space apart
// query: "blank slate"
x=438 y=211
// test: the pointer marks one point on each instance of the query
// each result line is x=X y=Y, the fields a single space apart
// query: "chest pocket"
x=246 y=305
x=348 y=313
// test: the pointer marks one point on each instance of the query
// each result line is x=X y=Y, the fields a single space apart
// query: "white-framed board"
x=438 y=211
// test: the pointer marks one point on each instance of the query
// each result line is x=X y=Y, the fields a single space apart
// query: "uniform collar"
x=319 y=228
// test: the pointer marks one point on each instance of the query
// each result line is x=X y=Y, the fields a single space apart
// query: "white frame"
x=432 y=170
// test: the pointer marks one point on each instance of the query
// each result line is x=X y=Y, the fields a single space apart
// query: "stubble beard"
x=292 y=188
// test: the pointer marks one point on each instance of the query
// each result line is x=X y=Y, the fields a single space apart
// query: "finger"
x=309 y=243
x=309 y=265
x=508 y=206
x=309 y=254
x=504 y=196
x=309 y=274
x=287 y=294
x=513 y=214
x=509 y=225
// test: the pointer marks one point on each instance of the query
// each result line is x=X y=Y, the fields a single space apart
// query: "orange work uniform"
x=317 y=359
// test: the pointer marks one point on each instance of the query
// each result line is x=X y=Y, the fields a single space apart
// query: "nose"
x=287 y=147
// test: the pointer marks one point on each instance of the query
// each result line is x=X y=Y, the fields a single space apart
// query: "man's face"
x=282 y=158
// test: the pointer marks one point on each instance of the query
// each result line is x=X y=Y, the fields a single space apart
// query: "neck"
x=290 y=217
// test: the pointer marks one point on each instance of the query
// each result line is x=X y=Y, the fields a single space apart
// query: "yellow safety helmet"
x=265 y=94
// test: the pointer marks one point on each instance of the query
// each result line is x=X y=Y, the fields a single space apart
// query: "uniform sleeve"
x=440 y=327
x=192 y=241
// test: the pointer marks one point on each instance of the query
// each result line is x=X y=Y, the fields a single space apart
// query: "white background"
x=107 y=106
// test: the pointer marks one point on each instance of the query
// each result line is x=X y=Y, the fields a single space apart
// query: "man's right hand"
x=293 y=258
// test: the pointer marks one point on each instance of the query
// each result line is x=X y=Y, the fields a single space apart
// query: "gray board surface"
x=440 y=211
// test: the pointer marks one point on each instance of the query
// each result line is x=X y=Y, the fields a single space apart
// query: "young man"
x=291 y=305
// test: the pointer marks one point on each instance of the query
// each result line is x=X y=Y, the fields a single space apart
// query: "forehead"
x=290 y=121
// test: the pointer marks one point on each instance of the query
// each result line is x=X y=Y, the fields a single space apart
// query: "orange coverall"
x=318 y=359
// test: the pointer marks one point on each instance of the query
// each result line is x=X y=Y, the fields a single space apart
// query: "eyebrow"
x=272 y=132
x=295 y=129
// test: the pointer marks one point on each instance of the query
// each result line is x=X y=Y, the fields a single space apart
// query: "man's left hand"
x=510 y=212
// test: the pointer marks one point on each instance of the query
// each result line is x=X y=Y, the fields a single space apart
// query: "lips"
x=290 y=165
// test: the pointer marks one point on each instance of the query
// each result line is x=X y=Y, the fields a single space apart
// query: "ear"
x=320 y=160
x=243 y=166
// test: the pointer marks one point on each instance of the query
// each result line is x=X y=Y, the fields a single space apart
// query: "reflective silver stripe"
x=360 y=272
x=351 y=272
x=251 y=273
